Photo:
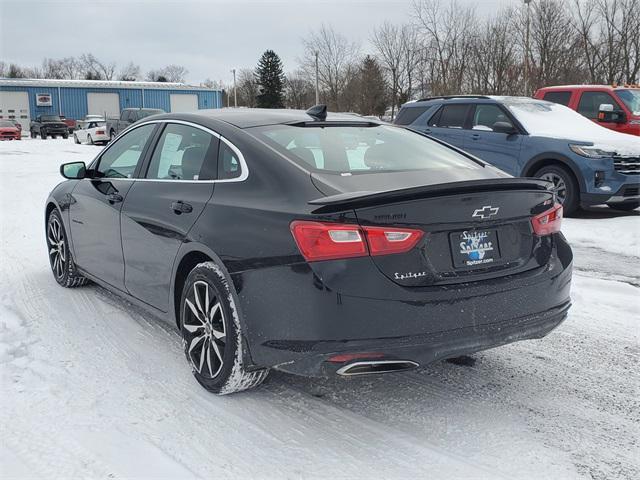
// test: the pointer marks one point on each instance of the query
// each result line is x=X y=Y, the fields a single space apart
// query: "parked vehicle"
x=614 y=107
x=8 y=131
x=91 y=132
x=70 y=122
x=129 y=116
x=45 y=125
x=311 y=244
x=588 y=164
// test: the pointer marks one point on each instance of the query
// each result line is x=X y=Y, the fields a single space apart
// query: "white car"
x=91 y=131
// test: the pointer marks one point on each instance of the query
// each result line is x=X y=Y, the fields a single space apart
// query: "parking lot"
x=83 y=369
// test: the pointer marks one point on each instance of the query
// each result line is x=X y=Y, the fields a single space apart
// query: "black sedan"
x=311 y=244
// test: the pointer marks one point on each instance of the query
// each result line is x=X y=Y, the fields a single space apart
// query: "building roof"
x=40 y=82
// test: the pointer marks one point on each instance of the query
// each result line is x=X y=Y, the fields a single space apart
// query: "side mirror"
x=504 y=127
x=73 y=170
x=607 y=113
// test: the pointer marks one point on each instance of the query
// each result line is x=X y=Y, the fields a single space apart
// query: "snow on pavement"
x=94 y=387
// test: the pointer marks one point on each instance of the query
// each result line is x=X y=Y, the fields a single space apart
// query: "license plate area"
x=475 y=249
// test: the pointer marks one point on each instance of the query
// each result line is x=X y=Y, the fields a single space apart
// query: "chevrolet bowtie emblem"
x=485 y=212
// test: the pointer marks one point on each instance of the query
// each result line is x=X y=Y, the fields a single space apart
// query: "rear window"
x=450 y=116
x=353 y=149
x=409 y=115
x=563 y=98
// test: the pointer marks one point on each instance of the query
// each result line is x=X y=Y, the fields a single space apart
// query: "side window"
x=590 y=103
x=409 y=115
x=450 y=116
x=485 y=116
x=184 y=153
x=228 y=163
x=120 y=160
x=563 y=98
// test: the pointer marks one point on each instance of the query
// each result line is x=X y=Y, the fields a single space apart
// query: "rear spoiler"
x=350 y=200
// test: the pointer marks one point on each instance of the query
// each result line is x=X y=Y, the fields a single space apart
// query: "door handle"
x=475 y=136
x=114 y=198
x=427 y=130
x=179 y=207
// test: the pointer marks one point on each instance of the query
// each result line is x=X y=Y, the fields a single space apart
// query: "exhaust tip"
x=376 y=366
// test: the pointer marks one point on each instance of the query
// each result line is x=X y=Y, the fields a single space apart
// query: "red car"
x=8 y=131
x=613 y=107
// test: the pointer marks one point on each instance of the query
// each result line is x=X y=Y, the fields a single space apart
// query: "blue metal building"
x=25 y=99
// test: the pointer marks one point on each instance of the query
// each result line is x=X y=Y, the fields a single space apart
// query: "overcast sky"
x=209 y=38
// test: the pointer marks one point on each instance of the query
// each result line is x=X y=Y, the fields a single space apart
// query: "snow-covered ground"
x=94 y=388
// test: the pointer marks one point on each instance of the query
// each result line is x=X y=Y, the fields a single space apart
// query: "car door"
x=448 y=123
x=499 y=149
x=94 y=211
x=161 y=208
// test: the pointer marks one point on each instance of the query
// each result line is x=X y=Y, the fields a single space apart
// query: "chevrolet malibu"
x=310 y=243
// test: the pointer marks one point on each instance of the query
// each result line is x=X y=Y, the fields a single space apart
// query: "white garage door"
x=101 y=103
x=15 y=106
x=183 y=102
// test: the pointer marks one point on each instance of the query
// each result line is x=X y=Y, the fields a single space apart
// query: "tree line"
x=444 y=47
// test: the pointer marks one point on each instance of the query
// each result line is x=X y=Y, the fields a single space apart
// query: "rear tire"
x=65 y=136
x=90 y=140
x=565 y=186
x=62 y=264
x=75 y=138
x=211 y=333
x=112 y=135
x=33 y=134
x=624 y=207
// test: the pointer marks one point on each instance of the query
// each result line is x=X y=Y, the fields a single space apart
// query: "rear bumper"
x=296 y=317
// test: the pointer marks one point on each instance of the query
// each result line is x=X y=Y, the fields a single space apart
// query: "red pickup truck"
x=614 y=107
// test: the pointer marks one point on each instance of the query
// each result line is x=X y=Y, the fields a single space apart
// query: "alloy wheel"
x=55 y=239
x=559 y=185
x=204 y=329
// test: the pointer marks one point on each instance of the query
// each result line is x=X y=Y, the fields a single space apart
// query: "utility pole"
x=393 y=98
x=235 y=90
x=526 y=49
x=317 y=89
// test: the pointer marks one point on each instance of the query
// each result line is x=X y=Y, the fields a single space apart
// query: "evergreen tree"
x=372 y=99
x=271 y=81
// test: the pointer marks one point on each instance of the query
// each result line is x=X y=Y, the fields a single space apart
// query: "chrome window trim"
x=244 y=169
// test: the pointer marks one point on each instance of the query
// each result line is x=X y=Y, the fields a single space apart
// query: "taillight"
x=99 y=132
x=386 y=240
x=329 y=241
x=548 y=222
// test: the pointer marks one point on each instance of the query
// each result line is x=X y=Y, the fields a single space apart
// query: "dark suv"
x=45 y=125
x=587 y=163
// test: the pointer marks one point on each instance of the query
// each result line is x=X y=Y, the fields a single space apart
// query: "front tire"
x=62 y=264
x=75 y=138
x=112 y=135
x=34 y=134
x=211 y=333
x=565 y=186
x=90 y=140
x=65 y=135
x=43 y=134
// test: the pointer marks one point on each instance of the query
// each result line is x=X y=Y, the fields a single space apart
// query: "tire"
x=62 y=265
x=33 y=134
x=75 y=138
x=90 y=140
x=112 y=135
x=566 y=187
x=624 y=207
x=65 y=135
x=54 y=136
x=207 y=295
x=43 y=134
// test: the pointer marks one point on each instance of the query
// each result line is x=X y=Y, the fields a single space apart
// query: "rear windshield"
x=354 y=149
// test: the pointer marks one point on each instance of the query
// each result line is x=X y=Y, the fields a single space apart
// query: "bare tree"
x=299 y=91
x=175 y=73
x=248 y=88
x=129 y=73
x=94 y=69
x=337 y=59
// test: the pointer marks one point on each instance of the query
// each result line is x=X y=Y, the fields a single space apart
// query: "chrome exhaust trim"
x=376 y=366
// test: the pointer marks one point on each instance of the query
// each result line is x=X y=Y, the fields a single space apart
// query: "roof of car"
x=254 y=117
x=588 y=87
x=466 y=99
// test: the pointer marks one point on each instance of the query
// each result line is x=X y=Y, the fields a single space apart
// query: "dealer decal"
x=476 y=245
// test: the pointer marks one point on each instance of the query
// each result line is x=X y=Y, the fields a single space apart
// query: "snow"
x=546 y=119
x=93 y=387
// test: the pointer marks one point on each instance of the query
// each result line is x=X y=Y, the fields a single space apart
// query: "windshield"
x=51 y=118
x=631 y=98
x=354 y=149
x=5 y=124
